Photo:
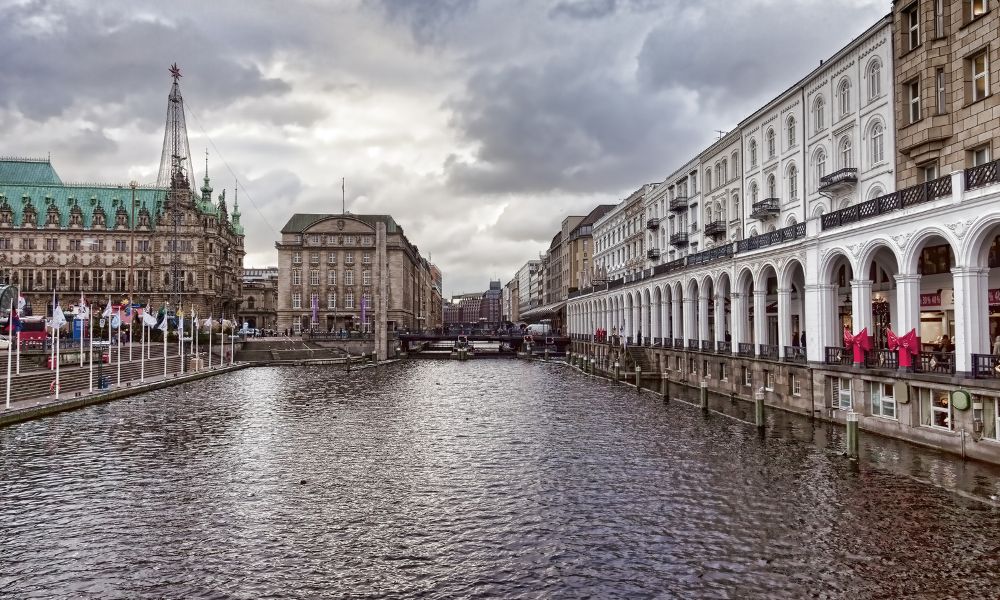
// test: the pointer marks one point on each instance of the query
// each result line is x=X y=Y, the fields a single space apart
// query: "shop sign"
x=933 y=299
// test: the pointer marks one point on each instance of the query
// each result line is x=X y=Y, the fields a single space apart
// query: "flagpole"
x=142 y=354
x=232 y=341
x=91 y=359
x=130 y=321
x=165 y=328
x=81 y=338
x=119 y=345
x=57 y=361
x=210 y=342
x=18 y=352
x=180 y=338
x=10 y=346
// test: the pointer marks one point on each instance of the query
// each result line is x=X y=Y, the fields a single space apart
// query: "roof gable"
x=28 y=170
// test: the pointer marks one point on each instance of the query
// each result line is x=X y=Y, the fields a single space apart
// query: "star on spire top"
x=175 y=71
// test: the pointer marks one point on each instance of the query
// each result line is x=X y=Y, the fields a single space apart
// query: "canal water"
x=488 y=479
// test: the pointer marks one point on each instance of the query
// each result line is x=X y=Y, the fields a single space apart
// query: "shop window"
x=747 y=377
x=723 y=372
x=796 y=385
x=769 y=381
x=990 y=416
x=935 y=408
x=935 y=260
x=840 y=392
x=883 y=399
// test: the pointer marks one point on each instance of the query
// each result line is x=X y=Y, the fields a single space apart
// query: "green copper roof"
x=87 y=197
x=28 y=170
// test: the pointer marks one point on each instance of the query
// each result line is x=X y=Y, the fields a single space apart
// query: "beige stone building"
x=947 y=64
x=355 y=273
x=260 y=297
x=578 y=251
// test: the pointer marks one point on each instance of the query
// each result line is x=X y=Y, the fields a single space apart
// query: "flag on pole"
x=107 y=309
x=116 y=321
x=58 y=318
x=163 y=324
x=148 y=319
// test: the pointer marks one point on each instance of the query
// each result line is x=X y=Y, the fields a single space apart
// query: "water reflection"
x=492 y=479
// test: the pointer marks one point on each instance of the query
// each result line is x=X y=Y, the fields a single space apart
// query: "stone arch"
x=656 y=310
x=830 y=261
x=975 y=248
x=915 y=245
x=766 y=269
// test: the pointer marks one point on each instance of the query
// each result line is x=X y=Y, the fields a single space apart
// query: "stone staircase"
x=637 y=356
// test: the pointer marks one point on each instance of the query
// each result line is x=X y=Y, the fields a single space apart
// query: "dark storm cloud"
x=55 y=59
x=426 y=19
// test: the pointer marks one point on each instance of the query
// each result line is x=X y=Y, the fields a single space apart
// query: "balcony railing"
x=985 y=366
x=657 y=342
x=653 y=223
x=711 y=255
x=918 y=194
x=678 y=344
x=679 y=204
x=745 y=349
x=693 y=344
x=768 y=351
x=837 y=355
x=679 y=239
x=936 y=362
x=772 y=238
x=706 y=345
x=838 y=179
x=653 y=254
x=795 y=354
x=723 y=347
x=977 y=177
x=765 y=208
x=715 y=228
x=882 y=359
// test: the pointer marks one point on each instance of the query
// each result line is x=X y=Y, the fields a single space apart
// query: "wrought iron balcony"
x=838 y=180
x=679 y=204
x=765 y=208
x=679 y=239
x=716 y=229
x=653 y=223
x=653 y=254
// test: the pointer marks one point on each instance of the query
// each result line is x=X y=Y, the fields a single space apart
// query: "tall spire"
x=206 y=188
x=237 y=226
x=175 y=161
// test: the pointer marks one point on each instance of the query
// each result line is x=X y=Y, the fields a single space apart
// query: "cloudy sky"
x=477 y=124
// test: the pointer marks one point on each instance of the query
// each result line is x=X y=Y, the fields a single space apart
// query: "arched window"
x=878 y=147
x=708 y=179
x=736 y=207
x=753 y=153
x=844 y=96
x=845 y=153
x=753 y=193
x=793 y=182
x=251 y=302
x=736 y=164
x=708 y=214
x=820 y=165
x=772 y=191
x=875 y=192
x=719 y=177
x=790 y=126
x=725 y=172
x=874 y=78
x=818 y=108
x=770 y=143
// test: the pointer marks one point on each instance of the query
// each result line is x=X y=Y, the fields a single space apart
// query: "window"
x=883 y=400
x=939 y=91
x=911 y=26
x=935 y=408
x=296 y=277
x=366 y=258
x=349 y=277
x=913 y=98
x=790 y=126
x=296 y=258
x=796 y=385
x=874 y=79
x=844 y=96
x=938 y=18
x=747 y=377
x=878 y=147
x=143 y=246
x=753 y=193
x=979 y=156
x=820 y=165
x=708 y=179
x=929 y=172
x=725 y=172
x=332 y=259
x=5 y=244
x=769 y=381
x=331 y=278
x=349 y=300
x=349 y=240
x=313 y=276
x=331 y=300
x=990 y=416
x=978 y=73
x=736 y=164
x=841 y=392
x=770 y=143
x=348 y=258
x=723 y=372
x=845 y=153
x=818 y=109
x=297 y=300
x=314 y=258
x=974 y=9
x=793 y=182
x=753 y=153
x=52 y=244
x=772 y=191
x=366 y=277
x=875 y=192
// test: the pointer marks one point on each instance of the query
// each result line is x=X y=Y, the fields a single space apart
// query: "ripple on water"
x=485 y=479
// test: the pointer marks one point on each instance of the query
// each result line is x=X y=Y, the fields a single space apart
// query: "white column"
x=820 y=321
x=971 y=315
x=784 y=320
x=759 y=319
x=907 y=304
x=689 y=321
x=702 y=317
x=739 y=332
x=720 y=320
x=861 y=305
x=665 y=322
x=678 y=320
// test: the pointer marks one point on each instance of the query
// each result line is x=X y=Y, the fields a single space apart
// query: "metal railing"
x=772 y=238
x=723 y=347
x=711 y=255
x=795 y=354
x=653 y=223
x=715 y=228
x=693 y=344
x=653 y=253
x=977 y=177
x=657 y=342
x=846 y=175
x=837 y=355
x=767 y=351
x=765 y=208
x=706 y=345
x=678 y=344
x=935 y=362
x=918 y=194
x=679 y=239
x=985 y=366
x=679 y=204
x=881 y=358
x=745 y=349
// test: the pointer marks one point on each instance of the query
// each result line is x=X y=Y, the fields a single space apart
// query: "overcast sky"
x=477 y=124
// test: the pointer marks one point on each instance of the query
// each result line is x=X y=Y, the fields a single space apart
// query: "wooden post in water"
x=638 y=379
x=703 y=395
x=758 y=401
x=852 y=435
